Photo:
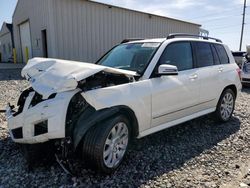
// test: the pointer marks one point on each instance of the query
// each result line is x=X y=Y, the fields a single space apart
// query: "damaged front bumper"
x=41 y=122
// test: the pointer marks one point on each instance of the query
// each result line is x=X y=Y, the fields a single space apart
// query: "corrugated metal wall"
x=5 y=47
x=83 y=30
x=5 y=43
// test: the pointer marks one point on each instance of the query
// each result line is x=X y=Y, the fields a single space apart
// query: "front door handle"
x=193 y=76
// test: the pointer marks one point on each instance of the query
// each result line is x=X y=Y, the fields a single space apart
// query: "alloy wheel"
x=115 y=145
x=227 y=105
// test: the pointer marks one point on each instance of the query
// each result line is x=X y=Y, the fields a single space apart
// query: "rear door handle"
x=193 y=76
x=220 y=69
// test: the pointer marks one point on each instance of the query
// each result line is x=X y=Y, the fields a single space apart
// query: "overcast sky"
x=222 y=18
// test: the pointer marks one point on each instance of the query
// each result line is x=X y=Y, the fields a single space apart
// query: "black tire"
x=218 y=112
x=94 y=143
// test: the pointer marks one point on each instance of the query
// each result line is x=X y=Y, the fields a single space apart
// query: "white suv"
x=136 y=89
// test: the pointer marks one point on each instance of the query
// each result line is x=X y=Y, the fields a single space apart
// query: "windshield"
x=133 y=56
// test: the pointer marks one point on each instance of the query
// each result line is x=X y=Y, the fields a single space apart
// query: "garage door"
x=25 y=40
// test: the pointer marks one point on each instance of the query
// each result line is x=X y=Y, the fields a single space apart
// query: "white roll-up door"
x=25 y=40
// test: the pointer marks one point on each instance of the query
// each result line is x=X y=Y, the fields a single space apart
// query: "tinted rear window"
x=215 y=54
x=222 y=54
x=204 y=54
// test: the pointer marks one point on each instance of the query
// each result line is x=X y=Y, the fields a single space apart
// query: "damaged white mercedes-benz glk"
x=136 y=89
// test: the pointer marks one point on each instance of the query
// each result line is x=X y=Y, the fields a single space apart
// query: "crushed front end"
x=38 y=120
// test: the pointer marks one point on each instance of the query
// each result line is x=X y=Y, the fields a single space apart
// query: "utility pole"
x=243 y=23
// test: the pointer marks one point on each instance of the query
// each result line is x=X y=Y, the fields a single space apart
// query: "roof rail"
x=131 y=39
x=174 y=35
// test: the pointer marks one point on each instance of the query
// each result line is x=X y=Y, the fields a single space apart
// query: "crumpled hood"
x=48 y=76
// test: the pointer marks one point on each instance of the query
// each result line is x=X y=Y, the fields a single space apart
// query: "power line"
x=213 y=13
x=221 y=18
x=205 y=21
x=229 y=32
x=221 y=25
x=224 y=27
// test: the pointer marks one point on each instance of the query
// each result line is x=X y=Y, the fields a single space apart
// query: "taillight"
x=239 y=72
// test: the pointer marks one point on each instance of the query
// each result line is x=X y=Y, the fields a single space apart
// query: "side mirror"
x=167 y=70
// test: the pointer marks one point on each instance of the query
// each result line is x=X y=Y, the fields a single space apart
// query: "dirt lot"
x=199 y=153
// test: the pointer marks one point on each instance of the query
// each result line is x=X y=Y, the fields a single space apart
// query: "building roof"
x=9 y=26
x=6 y=28
x=174 y=19
x=147 y=13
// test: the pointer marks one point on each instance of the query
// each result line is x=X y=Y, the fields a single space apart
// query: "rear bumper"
x=42 y=122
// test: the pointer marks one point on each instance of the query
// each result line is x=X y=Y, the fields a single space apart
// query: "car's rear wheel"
x=106 y=144
x=225 y=106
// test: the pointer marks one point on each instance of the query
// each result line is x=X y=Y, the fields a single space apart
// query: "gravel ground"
x=199 y=153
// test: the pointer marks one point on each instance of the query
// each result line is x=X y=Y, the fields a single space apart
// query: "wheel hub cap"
x=115 y=145
x=227 y=106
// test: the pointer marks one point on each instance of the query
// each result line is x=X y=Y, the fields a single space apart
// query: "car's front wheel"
x=225 y=106
x=105 y=145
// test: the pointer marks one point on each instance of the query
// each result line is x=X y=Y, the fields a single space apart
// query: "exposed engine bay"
x=49 y=76
x=103 y=79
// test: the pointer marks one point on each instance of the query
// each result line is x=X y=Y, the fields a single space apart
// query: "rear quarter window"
x=216 y=57
x=222 y=54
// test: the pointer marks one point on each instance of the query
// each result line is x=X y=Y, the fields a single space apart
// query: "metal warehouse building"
x=83 y=30
x=6 y=42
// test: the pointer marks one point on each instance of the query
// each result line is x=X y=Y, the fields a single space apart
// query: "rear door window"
x=204 y=55
x=216 y=57
x=222 y=54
